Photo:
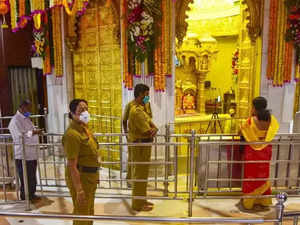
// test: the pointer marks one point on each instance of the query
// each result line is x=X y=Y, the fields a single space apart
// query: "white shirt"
x=19 y=125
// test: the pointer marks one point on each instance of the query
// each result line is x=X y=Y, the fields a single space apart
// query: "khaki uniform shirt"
x=129 y=106
x=78 y=144
x=139 y=123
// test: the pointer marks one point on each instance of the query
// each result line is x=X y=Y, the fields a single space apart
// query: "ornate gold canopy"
x=254 y=26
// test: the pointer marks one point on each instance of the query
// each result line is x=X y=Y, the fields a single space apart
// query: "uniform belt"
x=144 y=140
x=87 y=169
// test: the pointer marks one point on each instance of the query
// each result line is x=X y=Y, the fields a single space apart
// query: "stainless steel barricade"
x=37 y=120
x=208 y=167
x=217 y=161
x=294 y=215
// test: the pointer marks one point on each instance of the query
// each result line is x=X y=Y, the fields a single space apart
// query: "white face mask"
x=84 y=117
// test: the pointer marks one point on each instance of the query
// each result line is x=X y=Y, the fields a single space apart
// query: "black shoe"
x=36 y=198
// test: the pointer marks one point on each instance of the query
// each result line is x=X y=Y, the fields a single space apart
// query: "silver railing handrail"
x=136 y=218
x=191 y=142
x=35 y=116
x=32 y=116
x=295 y=215
x=281 y=198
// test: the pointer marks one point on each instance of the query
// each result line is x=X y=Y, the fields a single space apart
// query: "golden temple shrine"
x=204 y=60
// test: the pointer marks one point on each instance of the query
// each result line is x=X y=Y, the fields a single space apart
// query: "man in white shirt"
x=20 y=125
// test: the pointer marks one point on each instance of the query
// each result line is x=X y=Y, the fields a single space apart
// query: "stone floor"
x=119 y=207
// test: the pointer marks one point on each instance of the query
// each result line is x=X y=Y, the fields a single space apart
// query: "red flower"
x=294 y=16
x=135 y=15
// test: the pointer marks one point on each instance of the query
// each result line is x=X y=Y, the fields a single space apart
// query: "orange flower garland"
x=47 y=61
x=4 y=8
x=13 y=13
x=57 y=41
x=280 y=54
x=159 y=62
x=23 y=20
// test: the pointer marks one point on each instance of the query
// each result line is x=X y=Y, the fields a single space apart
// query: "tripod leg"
x=208 y=127
x=220 y=126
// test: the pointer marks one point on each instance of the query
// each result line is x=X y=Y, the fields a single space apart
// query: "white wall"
x=60 y=90
x=162 y=103
x=57 y=103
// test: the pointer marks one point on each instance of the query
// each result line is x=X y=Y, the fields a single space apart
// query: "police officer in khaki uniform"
x=82 y=166
x=125 y=120
x=141 y=130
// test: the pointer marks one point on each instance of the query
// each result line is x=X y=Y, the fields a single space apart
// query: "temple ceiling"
x=254 y=8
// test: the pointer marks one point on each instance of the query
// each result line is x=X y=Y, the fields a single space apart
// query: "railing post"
x=167 y=159
x=281 y=198
x=295 y=220
x=46 y=119
x=191 y=181
x=121 y=158
x=25 y=175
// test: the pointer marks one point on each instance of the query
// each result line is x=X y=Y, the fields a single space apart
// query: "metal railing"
x=208 y=167
x=277 y=220
x=294 y=215
x=209 y=125
x=100 y=123
x=37 y=120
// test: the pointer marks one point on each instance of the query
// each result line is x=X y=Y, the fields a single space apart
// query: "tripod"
x=214 y=120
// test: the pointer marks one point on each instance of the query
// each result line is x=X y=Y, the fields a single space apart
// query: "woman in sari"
x=260 y=127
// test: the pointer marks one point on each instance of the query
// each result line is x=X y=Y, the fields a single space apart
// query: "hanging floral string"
x=293 y=32
x=57 y=41
x=23 y=11
x=4 y=8
x=47 y=57
x=140 y=29
x=148 y=41
x=279 y=53
x=235 y=65
x=13 y=13
x=38 y=44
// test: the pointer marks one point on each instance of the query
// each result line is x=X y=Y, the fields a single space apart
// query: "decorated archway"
x=249 y=44
x=253 y=10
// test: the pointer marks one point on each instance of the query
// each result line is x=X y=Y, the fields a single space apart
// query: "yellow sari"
x=257 y=152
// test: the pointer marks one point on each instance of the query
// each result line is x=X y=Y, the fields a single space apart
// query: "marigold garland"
x=157 y=59
x=70 y=11
x=4 y=8
x=279 y=53
x=47 y=56
x=57 y=41
x=13 y=13
x=24 y=10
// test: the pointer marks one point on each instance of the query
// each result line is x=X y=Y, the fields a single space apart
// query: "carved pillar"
x=246 y=66
x=201 y=91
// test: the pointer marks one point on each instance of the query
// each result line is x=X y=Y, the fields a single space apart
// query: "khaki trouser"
x=130 y=167
x=89 y=183
x=140 y=154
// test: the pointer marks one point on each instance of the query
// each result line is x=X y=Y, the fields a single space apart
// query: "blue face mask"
x=27 y=114
x=146 y=99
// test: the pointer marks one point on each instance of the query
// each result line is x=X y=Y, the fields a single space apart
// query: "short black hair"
x=140 y=89
x=73 y=105
x=25 y=102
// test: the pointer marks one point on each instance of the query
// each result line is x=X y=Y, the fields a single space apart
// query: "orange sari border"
x=260 y=190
